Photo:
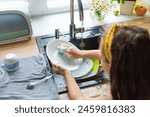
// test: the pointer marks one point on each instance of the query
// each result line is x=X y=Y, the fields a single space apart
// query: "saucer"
x=94 y=70
x=53 y=54
x=84 y=68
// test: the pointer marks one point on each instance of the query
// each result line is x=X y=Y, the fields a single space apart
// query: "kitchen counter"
x=22 y=48
x=29 y=47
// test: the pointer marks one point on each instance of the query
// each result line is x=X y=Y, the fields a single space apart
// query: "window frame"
x=42 y=7
x=45 y=9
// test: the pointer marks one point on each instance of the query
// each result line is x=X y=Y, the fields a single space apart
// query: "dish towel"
x=31 y=69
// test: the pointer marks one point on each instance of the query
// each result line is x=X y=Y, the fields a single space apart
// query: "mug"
x=11 y=62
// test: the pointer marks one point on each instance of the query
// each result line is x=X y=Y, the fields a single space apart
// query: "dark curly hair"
x=130 y=67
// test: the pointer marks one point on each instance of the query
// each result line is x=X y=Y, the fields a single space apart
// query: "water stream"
x=82 y=44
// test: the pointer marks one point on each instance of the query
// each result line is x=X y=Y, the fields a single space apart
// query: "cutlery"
x=33 y=84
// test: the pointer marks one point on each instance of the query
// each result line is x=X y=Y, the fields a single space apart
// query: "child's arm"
x=76 y=53
x=73 y=88
x=74 y=91
x=91 y=54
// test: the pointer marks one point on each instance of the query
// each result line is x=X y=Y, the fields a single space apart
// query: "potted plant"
x=126 y=6
x=100 y=8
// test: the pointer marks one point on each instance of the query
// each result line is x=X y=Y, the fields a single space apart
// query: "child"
x=125 y=57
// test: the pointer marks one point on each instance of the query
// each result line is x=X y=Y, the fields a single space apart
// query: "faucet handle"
x=57 y=33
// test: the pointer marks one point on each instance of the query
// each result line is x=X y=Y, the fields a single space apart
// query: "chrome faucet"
x=73 y=30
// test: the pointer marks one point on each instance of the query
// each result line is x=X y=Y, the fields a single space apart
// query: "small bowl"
x=11 y=62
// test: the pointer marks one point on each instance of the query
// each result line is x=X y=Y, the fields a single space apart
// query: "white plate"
x=54 y=57
x=94 y=70
x=84 y=68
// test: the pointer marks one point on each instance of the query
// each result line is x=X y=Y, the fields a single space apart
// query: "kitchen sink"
x=89 y=43
x=91 y=38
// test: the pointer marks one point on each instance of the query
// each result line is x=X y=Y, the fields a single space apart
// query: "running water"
x=82 y=44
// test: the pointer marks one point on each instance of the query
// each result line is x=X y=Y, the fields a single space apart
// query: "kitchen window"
x=64 y=5
x=11 y=0
x=41 y=7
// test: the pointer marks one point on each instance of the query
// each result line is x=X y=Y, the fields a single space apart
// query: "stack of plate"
x=78 y=67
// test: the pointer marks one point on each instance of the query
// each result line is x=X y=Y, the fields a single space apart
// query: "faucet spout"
x=80 y=7
x=73 y=30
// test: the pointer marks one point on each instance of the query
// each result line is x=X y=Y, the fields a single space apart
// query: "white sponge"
x=63 y=50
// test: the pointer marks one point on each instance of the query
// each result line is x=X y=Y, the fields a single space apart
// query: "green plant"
x=100 y=8
x=120 y=1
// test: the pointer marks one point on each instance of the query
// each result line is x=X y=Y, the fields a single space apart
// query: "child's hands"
x=71 y=52
x=75 y=53
x=59 y=69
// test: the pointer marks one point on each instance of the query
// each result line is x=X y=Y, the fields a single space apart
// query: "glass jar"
x=98 y=16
